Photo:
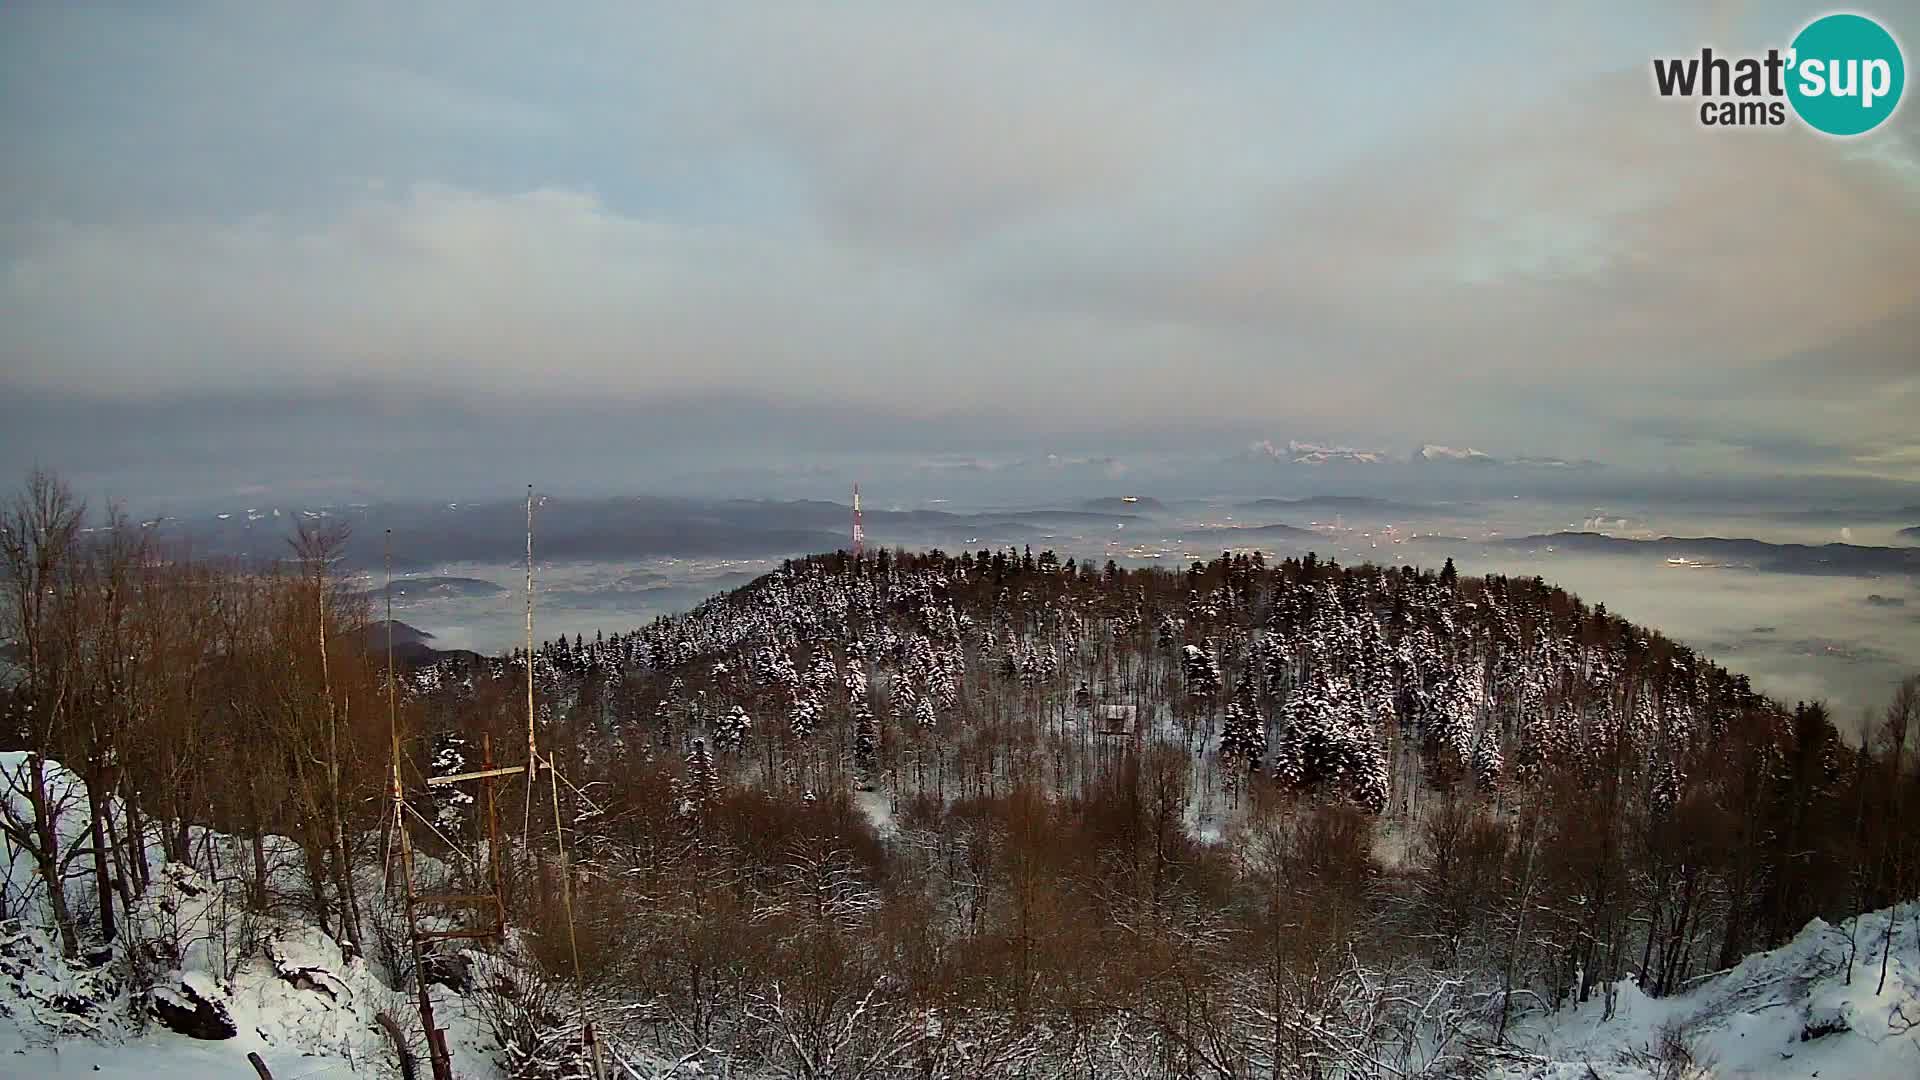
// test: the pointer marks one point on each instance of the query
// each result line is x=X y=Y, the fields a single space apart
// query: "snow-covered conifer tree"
x=1243 y=737
x=731 y=731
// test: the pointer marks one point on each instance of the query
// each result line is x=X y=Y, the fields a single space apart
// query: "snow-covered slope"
x=190 y=957
x=1799 y=1011
x=1817 y=1007
x=1790 y=1013
x=304 y=1008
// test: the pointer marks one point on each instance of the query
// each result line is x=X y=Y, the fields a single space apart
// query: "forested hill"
x=1360 y=683
x=1395 y=691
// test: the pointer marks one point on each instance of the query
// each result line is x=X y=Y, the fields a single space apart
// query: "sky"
x=366 y=245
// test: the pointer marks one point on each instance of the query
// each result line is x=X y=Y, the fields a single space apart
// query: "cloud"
x=432 y=283
x=1597 y=228
x=1130 y=222
x=937 y=127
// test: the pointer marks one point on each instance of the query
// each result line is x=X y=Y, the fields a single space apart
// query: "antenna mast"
x=494 y=871
x=859 y=534
x=534 y=765
x=533 y=755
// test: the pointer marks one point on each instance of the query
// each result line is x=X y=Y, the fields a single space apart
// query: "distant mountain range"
x=1308 y=453
x=1836 y=559
x=1244 y=535
x=1845 y=515
x=1339 y=504
x=1121 y=504
x=429 y=535
x=1431 y=453
x=434 y=588
x=1305 y=453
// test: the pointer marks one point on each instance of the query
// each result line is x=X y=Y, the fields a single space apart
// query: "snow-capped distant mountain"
x=1468 y=456
x=1295 y=452
x=1304 y=453
x=1435 y=454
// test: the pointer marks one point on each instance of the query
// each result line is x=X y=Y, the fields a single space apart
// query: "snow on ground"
x=301 y=1005
x=1789 y=1013
x=1796 y=1012
x=168 y=1058
x=291 y=997
x=878 y=807
x=1395 y=844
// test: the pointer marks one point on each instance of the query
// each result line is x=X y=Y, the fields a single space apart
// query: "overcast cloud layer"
x=945 y=224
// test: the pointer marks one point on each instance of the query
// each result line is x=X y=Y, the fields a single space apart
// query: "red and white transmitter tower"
x=859 y=534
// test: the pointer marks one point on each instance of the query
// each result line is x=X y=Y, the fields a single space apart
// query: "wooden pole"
x=259 y=1066
x=441 y=1056
x=442 y=1068
x=494 y=855
x=573 y=940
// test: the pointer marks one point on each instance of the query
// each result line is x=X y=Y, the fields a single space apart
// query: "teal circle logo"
x=1845 y=75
